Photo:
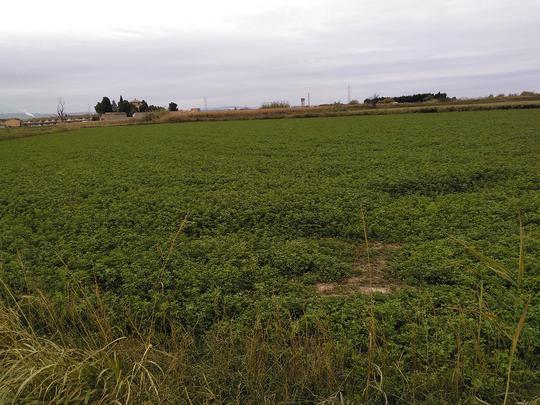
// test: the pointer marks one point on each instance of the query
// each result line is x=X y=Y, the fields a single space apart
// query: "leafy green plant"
x=271 y=209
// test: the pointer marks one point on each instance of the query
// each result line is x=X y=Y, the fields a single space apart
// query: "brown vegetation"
x=349 y=110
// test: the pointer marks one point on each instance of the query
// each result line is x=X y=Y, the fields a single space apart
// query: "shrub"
x=275 y=104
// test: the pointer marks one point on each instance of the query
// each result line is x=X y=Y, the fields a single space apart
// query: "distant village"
x=112 y=111
x=38 y=122
x=106 y=110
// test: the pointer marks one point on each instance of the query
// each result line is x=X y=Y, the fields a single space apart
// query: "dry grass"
x=53 y=357
x=513 y=348
x=345 y=110
x=25 y=132
x=73 y=353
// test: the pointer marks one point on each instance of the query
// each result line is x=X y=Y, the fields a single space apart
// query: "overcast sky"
x=245 y=52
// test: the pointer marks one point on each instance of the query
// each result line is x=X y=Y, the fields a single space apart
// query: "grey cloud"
x=386 y=47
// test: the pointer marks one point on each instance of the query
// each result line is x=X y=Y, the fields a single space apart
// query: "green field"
x=208 y=239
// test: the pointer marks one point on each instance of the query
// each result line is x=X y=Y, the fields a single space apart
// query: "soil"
x=371 y=268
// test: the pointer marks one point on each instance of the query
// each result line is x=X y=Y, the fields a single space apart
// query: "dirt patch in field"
x=372 y=276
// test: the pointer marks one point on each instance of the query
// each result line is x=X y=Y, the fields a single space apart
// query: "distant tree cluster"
x=152 y=107
x=414 y=98
x=418 y=98
x=106 y=106
x=124 y=106
x=275 y=104
x=373 y=100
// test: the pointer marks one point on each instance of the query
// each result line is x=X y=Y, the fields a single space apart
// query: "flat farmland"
x=354 y=259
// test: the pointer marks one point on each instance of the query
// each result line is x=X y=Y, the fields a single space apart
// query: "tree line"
x=108 y=106
x=413 y=98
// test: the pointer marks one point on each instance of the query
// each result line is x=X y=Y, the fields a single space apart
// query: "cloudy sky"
x=245 y=52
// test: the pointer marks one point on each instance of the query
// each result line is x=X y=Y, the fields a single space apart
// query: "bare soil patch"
x=372 y=277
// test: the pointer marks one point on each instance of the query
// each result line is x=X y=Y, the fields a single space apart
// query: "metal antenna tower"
x=349 y=93
x=205 y=104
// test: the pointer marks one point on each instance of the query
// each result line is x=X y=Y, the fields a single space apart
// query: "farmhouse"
x=136 y=103
x=114 y=116
x=12 y=122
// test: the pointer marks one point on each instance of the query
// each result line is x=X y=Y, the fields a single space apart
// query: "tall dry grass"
x=71 y=350
x=73 y=353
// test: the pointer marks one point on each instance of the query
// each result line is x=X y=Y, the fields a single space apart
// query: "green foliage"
x=104 y=106
x=271 y=208
x=414 y=98
x=152 y=107
x=144 y=107
x=124 y=106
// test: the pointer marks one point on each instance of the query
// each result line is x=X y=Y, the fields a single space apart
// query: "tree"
x=173 y=106
x=106 y=106
x=60 y=109
x=114 y=106
x=124 y=106
x=418 y=98
x=275 y=104
x=155 y=108
x=372 y=102
x=143 y=107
